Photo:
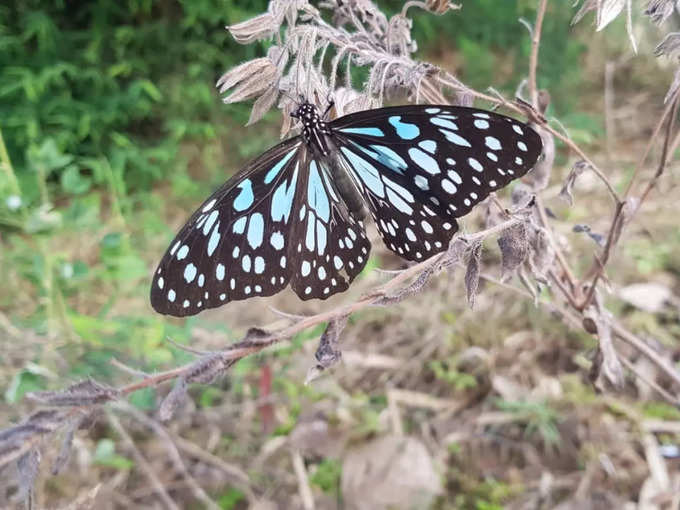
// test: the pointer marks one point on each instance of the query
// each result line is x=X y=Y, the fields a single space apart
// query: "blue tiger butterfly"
x=295 y=214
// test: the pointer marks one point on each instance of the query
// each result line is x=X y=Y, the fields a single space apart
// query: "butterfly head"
x=307 y=113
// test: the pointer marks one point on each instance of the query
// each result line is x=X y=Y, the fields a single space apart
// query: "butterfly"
x=295 y=215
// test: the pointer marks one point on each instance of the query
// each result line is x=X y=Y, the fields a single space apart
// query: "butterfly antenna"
x=284 y=93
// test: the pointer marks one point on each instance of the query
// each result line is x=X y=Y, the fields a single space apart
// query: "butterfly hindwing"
x=330 y=246
x=420 y=167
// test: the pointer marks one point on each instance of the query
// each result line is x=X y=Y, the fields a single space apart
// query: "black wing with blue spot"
x=420 y=167
x=278 y=221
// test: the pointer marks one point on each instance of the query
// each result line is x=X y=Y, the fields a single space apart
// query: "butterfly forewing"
x=422 y=166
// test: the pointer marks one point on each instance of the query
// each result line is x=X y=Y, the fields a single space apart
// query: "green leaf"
x=105 y=455
x=23 y=382
x=229 y=499
x=73 y=182
x=144 y=399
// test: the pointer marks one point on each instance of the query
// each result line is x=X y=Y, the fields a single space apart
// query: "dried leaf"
x=328 y=354
x=254 y=85
x=568 y=186
x=606 y=366
x=608 y=12
x=67 y=442
x=19 y=439
x=542 y=254
x=255 y=29
x=521 y=196
x=493 y=215
x=599 y=239
x=83 y=393
x=411 y=290
x=241 y=72
x=669 y=46
x=440 y=6
x=254 y=334
x=660 y=10
x=263 y=104
x=472 y=272
x=514 y=246
x=175 y=398
x=588 y=5
x=208 y=368
x=28 y=466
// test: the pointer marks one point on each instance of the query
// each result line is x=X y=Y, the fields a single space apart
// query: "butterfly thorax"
x=314 y=130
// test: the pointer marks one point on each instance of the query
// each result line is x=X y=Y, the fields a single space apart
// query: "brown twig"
x=143 y=464
x=617 y=221
x=533 y=57
x=173 y=453
x=672 y=105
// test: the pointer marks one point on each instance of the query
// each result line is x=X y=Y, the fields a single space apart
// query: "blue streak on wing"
x=282 y=200
x=271 y=175
x=316 y=193
x=385 y=156
x=321 y=237
x=366 y=172
x=309 y=238
x=370 y=131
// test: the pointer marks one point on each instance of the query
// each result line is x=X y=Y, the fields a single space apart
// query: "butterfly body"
x=294 y=216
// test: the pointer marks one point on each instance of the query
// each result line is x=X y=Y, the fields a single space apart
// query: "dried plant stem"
x=561 y=259
x=663 y=160
x=533 y=57
x=143 y=464
x=652 y=140
x=617 y=221
x=241 y=479
x=621 y=333
x=173 y=453
x=650 y=382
